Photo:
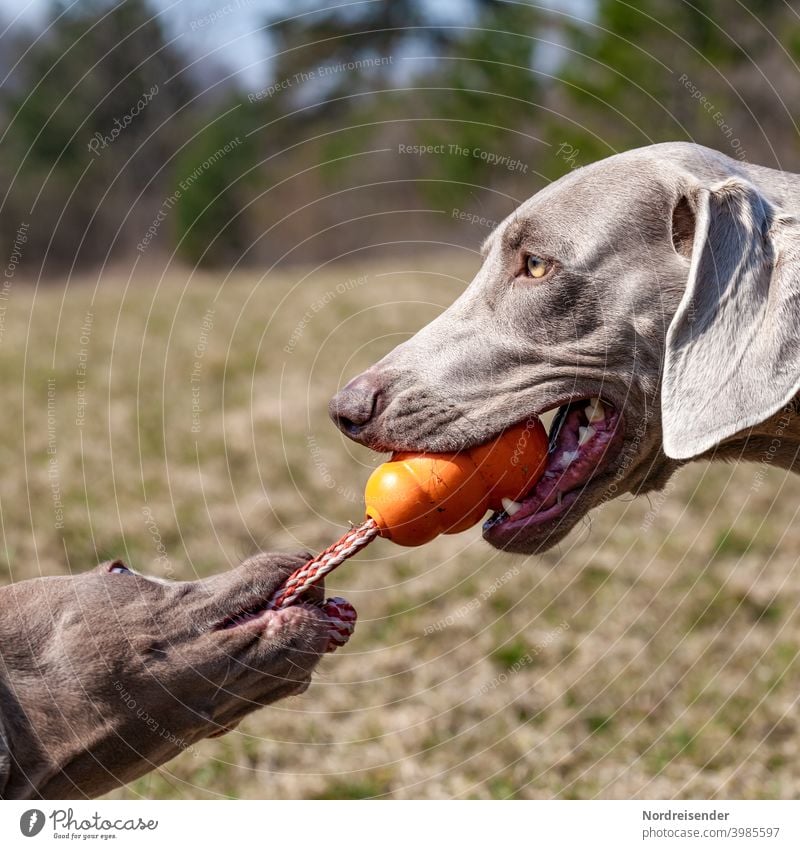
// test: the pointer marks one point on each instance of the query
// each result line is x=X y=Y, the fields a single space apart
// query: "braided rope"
x=341 y=614
x=342 y=617
x=325 y=562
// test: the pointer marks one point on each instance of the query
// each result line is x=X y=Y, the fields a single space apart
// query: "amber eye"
x=536 y=266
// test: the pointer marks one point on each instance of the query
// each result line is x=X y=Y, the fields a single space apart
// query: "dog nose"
x=355 y=406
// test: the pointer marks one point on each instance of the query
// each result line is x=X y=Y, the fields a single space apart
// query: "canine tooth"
x=511 y=507
x=585 y=434
x=595 y=411
x=567 y=457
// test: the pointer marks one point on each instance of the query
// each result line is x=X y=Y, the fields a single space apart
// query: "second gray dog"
x=108 y=674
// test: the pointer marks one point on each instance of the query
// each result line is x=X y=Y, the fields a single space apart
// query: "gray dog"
x=653 y=298
x=106 y=675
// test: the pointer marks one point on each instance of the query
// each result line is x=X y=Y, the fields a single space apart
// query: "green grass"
x=598 y=723
x=677 y=675
x=511 y=654
x=368 y=787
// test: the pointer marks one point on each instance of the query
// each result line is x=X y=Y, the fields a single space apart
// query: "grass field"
x=181 y=424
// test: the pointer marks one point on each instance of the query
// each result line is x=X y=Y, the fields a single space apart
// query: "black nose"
x=355 y=406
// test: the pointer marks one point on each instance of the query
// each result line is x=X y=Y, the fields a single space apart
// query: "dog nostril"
x=356 y=405
x=348 y=425
x=353 y=419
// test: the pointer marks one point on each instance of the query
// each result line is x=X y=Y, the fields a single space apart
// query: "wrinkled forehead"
x=583 y=217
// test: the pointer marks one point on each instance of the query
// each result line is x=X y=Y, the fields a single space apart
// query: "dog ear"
x=733 y=347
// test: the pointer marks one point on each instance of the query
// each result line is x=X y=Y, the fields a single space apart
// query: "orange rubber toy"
x=415 y=497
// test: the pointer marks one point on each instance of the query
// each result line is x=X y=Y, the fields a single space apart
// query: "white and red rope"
x=342 y=616
x=341 y=613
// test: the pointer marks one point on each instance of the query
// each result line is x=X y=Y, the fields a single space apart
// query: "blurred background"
x=319 y=102
x=214 y=213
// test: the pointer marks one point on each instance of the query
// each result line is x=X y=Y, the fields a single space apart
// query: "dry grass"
x=646 y=657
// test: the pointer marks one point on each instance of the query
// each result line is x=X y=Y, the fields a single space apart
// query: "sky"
x=230 y=30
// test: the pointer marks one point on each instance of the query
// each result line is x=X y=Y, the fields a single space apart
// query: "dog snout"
x=357 y=405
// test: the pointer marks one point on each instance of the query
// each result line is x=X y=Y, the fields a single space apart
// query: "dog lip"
x=539 y=531
x=270 y=619
x=253 y=617
x=537 y=527
x=258 y=612
x=502 y=530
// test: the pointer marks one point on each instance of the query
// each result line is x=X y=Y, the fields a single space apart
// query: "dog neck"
x=773 y=442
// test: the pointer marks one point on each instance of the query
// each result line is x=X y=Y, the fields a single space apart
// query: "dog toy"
x=413 y=498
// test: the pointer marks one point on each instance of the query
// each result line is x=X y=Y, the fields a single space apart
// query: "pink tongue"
x=342 y=618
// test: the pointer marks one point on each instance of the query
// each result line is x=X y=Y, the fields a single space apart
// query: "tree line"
x=379 y=127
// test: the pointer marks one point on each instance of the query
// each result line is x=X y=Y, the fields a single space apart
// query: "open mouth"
x=584 y=440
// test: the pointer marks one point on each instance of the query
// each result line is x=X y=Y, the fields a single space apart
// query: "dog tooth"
x=595 y=411
x=511 y=507
x=585 y=434
x=567 y=457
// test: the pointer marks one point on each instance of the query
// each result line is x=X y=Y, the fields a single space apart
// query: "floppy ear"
x=733 y=347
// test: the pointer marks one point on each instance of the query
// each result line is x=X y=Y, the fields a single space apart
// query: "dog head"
x=651 y=298
x=107 y=674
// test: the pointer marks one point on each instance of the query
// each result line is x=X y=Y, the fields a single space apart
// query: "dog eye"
x=119 y=568
x=535 y=266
